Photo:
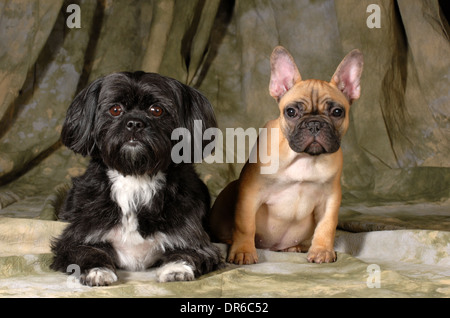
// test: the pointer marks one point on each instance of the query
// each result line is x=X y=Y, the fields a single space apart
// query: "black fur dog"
x=134 y=208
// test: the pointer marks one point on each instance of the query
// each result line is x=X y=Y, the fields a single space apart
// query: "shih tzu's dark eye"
x=116 y=110
x=156 y=111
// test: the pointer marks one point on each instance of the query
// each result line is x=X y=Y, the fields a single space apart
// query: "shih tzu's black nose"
x=135 y=124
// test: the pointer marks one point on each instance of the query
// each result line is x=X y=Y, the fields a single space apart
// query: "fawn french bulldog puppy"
x=296 y=208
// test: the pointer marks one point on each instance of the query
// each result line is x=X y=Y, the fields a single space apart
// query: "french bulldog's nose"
x=314 y=127
x=135 y=125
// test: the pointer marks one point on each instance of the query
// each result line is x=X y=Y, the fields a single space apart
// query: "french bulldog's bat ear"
x=77 y=131
x=348 y=75
x=284 y=72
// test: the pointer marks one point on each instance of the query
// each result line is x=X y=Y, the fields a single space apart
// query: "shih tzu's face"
x=133 y=126
x=126 y=120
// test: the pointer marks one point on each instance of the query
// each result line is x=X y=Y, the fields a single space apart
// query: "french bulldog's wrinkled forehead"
x=314 y=95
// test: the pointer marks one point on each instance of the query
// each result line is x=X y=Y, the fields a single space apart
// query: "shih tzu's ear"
x=195 y=114
x=77 y=132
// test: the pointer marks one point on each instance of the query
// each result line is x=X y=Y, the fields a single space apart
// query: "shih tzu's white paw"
x=176 y=271
x=99 y=276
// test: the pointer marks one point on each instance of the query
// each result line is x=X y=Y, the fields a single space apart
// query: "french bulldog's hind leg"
x=300 y=248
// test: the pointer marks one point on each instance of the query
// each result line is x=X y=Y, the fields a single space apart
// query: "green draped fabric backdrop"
x=396 y=177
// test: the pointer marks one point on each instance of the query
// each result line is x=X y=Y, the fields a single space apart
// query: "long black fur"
x=177 y=209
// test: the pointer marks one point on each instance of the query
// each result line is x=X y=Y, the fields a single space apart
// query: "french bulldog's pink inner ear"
x=348 y=75
x=350 y=89
x=284 y=73
x=278 y=87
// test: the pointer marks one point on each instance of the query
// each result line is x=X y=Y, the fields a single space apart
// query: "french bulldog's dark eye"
x=291 y=112
x=337 y=112
x=156 y=111
x=116 y=110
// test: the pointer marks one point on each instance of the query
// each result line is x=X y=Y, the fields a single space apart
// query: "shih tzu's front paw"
x=176 y=271
x=98 y=276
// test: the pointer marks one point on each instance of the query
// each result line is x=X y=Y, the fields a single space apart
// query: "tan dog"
x=296 y=208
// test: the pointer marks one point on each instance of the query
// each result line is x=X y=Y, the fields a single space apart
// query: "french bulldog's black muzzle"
x=314 y=136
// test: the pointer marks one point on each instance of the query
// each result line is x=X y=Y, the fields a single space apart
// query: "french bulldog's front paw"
x=242 y=255
x=98 y=276
x=176 y=271
x=321 y=255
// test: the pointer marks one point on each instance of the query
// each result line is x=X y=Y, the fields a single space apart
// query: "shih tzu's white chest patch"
x=131 y=193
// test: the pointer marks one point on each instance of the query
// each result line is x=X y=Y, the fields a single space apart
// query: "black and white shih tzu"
x=134 y=208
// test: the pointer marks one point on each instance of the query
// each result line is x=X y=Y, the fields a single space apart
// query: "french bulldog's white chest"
x=309 y=169
x=292 y=202
x=286 y=214
x=299 y=187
